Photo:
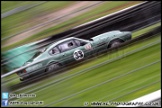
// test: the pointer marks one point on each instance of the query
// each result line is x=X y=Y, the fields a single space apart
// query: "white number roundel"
x=78 y=54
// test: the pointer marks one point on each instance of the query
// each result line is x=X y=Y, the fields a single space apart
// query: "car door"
x=72 y=51
x=85 y=46
x=55 y=54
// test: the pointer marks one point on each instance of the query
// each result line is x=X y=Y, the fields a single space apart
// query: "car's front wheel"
x=115 y=43
x=52 y=67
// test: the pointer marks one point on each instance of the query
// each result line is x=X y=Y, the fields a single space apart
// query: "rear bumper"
x=22 y=74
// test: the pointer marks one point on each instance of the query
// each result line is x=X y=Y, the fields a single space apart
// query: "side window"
x=54 y=51
x=67 y=45
x=77 y=42
x=80 y=43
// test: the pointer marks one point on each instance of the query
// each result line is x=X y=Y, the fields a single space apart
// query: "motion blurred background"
x=28 y=22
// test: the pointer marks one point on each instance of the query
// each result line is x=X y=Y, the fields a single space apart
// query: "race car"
x=72 y=49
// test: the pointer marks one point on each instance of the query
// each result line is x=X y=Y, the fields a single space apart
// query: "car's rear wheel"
x=52 y=67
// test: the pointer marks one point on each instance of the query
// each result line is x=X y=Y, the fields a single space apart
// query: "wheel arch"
x=113 y=40
x=53 y=62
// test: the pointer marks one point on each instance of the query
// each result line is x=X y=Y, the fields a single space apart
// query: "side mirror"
x=91 y=39
x=82 y=44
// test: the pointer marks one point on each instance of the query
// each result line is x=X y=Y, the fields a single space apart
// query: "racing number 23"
x=78 y=54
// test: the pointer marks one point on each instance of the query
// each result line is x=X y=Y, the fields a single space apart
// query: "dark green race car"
x=71 y=50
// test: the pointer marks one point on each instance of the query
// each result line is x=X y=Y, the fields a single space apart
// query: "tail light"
x=24 y=71
x=21 y=72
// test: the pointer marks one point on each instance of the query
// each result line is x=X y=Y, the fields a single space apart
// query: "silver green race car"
x=71 y=50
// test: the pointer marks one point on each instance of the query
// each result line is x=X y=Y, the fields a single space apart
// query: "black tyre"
x=52 y=67
x=115 y=43
x=22 y=79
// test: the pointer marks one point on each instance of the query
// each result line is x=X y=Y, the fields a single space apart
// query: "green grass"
x=138 y=32
x=104 y=9
x=9 y=5
x=110 y=90
x=18 y=22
